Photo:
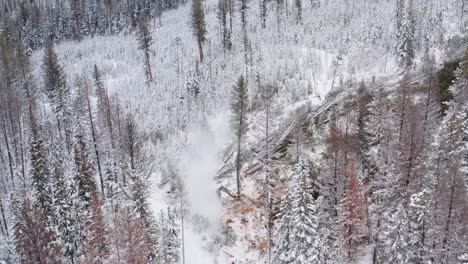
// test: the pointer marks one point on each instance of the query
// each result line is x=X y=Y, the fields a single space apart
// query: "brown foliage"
x=130 y=239
x=35 y=242
x=95 y=244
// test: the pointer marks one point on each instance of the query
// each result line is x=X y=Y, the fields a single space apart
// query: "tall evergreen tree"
x=199 y=25
x=223 y=8
x=136 y=168
x=77 y=17
x=298 y=5
x=57 y=90
x=55 y=80
x=84 y=177
x=396 y=237
x=406 y=36
x=40 y=173
x=168 y=246
x=239 y=107
x=65 y=218
x=299 y=228
x=144 y=43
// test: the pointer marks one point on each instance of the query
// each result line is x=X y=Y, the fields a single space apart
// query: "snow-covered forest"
x=233 y=131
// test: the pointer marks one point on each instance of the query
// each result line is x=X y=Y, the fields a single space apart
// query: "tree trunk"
x=182 y=226
x=200 y=49
x=238 y=165
x=93 y=133
x=10 y=158
x=453 y=171
x=4 y=218
x=230 y=15
x=267 y=181
x=148 y=65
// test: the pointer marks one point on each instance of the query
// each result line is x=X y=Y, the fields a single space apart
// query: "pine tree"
x=24 y=71
x=103 y=105
x=450 y=189
x=168 y=246
x=77 y=19
x=352 y=218
x=40 y=173
x=64 y=208
x=417 y=219
x=283 y=232
x=243 y=12
x=396 y=234
x=136 y=168
x=363 y=134
x=57 y=90
x=96 y=248
x=239 y=122
x=144 y=43
x=299 y=232
x=55 y=80
x=298 y=4
x=129 y=239
x=263 y=12
x=35 y=242
x=328 y=240
x=199 y=25
x=84 y=177
x=223 y=8
x=405 y=36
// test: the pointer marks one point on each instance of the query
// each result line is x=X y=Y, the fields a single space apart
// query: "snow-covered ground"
x=199 y=164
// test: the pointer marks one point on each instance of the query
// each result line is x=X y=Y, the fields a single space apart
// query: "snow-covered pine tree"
x=328 y=239
x=57 y=90
x=283 y=230
x=65 y=221
x=417 y=219
x=40 y=173
x=168 y=245
x=144 y=43
x=136 y=168
x=77 y=18
x=298 y=235
x=405 y=36
x=363 y=135
x=239 y=106
x=84 y=177
x=223 y=8
x=199 y=25
x=55 y=80
x=450 y=194
x=298 y=6
x=397 y=244
x=103 y=105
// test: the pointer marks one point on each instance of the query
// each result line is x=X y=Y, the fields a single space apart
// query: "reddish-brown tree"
x=95 y=245
x=352 y=218
x=131 y=242
x=35 y=242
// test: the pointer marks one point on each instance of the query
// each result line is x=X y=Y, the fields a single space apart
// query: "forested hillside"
x=233 y=131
